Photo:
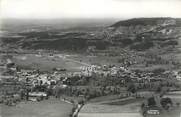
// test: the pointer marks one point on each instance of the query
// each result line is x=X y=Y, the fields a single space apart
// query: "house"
x=34 y=96
x=91 y=48
x=123 y=92
x=153 y=110
x=177 y=74
x=178 y=77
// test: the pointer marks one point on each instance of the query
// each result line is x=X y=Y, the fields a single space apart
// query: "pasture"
x=46 y=108
x=46 y=63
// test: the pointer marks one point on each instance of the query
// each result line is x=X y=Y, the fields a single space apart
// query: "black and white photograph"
x=90 y=58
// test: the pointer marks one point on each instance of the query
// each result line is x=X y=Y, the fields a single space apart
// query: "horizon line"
x=86 y=18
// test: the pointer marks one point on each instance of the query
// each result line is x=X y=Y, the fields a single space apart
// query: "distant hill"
x=138 y=34
x=148 y=21
x=145 y=33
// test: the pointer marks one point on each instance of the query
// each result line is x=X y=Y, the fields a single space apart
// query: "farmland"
x=46 y=63
x=47 y=108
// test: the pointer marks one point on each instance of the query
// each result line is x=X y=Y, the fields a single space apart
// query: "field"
x=46 y=62
x=109 y=106
x=104 y=60
x=64 y=61
x=108 y=110
x=109 y=115
x=74 y=62
x=47 y=108
x=125 y=107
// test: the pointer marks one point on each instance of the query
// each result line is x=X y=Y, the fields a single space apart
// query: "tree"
x=166 y=102
x=142 y=105
x=158 y=71
x=151 y=101
x=159 y=89
x=22 y=94
x=178 y=104
x=131 y=88
x=27 y=94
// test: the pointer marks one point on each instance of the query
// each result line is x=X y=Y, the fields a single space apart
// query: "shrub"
x=178 y=104
x=142 y=46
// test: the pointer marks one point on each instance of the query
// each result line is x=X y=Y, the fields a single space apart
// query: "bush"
x=81 y=102
x=171 y=42
x=142 y=46
x=178 y=104
x=74 y=108
x=72 y=101
x=1 y=100
x=126 y=42
x=131 y=88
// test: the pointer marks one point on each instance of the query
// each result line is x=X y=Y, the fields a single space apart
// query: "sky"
x=50 y=9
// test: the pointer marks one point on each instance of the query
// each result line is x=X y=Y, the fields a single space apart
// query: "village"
x=90 y=82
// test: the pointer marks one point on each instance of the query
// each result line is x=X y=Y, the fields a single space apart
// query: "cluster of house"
x=103 y=70
x=114 y=71
x=35 y=78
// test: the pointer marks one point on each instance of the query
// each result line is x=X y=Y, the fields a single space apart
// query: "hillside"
x=138 y=34
x=144 y=33
x=147 y=21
